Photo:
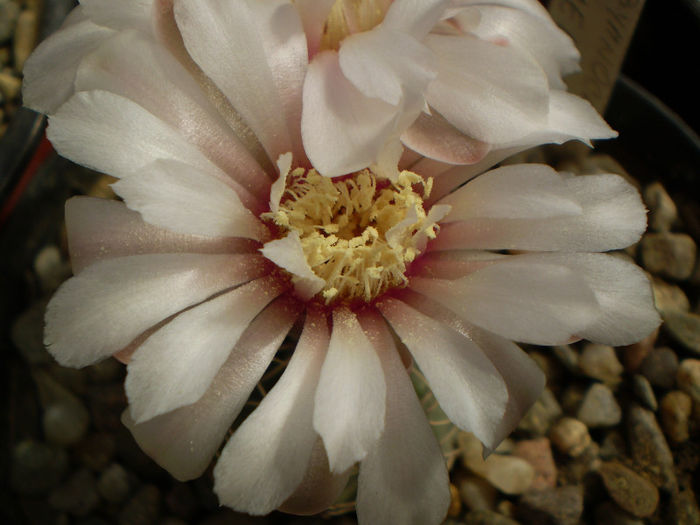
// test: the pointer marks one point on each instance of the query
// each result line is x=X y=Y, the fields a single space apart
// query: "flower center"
x=358 y=233
x=352 y=16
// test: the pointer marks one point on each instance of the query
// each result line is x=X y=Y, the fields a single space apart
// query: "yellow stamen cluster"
x=351 y=16
x=356 y=237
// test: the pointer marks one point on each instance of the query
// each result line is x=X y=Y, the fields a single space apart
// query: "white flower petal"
x=388 y=65
x=288 y=253
x=434 y=137
x=343 y=130
x=170 y=93
x=104 y=229
x=224 y=39
x=553 y=49
x=185 y=440
x=313 y=14
x=176 y=365
x=267 y=456
x=110 y=303
x=524 y=380
x=612 y=214
x=623 y=292
x=522 y=191
x=350 y=399
x=284 y=164
x=124 y=14
x=114 y=135
x=403 y=479
x=319 y=489
x=490 y=92
x=524 y=300
x=465 y=383
x=183 y=199
x=50 y=71
x=414 y=17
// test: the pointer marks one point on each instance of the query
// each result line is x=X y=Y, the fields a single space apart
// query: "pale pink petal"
x=343 y=130
x=465 y=382
x=176 y=365
x=110 y=303
x=268 y=455
x=524 y=380
x=104 y=229
x=521 y=191
x=313 y=14
x=225 y=40
x=434 y=137
x=319 y=489
x=50 y=71
x=533 y=7
x=170 y=93
x=569 y=118
x=185 y=200
x=623 y=292
x=414 y=17
x=115 y=135
x=125 y=14
x=185 y=440
x=350 y=399
x=403 y=479
x=288 y=253
x=553 y=49
x=524 y=300
x=388 y=65
x=490 y=92
x=611 y=216
x=453 y=264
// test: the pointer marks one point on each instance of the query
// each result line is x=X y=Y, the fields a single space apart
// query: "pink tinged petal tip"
x=110 y=303
x=101 y=229
x=465 y=382
x=403 y=479
x=268 y=455
x=176 y=365
x=185 y=440
x=350 y=399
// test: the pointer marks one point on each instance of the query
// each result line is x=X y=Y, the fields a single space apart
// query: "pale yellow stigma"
x=351 y=16
x=359 y=239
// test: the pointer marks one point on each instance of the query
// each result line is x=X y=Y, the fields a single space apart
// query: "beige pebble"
x=10 y=86
x=676 y=408
x=570 y=436
x=25 y=37
x=662 y=210
x=688 y=378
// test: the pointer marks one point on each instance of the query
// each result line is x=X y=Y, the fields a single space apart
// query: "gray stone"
x=567 y=356
x=660 y=367
x=540 y=417
x=143 y=508
x=612 y=446
x=97 y=451
x=670 y=255
x=688 y=378
x=113 y=484
x=600 y=362
x=28 y=335
x=644 y=392
x=599 y=407
x=487 y=517
x=684 y=327
x=684 y=508
x=676 y=407
x=26 y=32
x=663 y=213
x=570 y=436
x=37 y=467
x=649 y=449
x=51 y=268
x=9 y=11
x=629 y=490
x=77 y=495
x=556 y=506
x=538 y=453
x=65 y=423
x=608 y=513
